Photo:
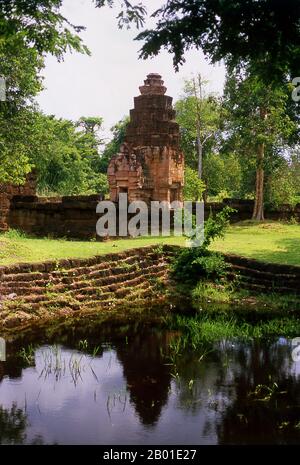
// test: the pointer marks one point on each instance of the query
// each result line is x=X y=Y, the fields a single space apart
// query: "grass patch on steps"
x=274 y=242
x=208 y=294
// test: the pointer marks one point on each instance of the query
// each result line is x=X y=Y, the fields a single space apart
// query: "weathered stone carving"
x=150 y=165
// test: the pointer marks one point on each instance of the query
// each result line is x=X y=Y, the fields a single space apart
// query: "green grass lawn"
x=273 y=242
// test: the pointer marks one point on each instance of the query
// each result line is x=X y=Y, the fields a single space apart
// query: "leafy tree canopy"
x=265 y=33
x=20 y=66
x=39 y=24
x=130 y=12
x=67 y=160
x=207 y=111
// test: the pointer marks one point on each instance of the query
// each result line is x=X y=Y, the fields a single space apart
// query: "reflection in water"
x=266 y=408
x=147 y=375
x=13 y=424
x=128 y=392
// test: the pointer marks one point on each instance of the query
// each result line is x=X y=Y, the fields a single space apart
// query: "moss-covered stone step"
x=60 y=284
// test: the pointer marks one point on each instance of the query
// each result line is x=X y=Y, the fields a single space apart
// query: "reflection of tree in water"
x=266 y=414
x=148 y=378
x=223 y=388
x=13 y=423
x=12 y=368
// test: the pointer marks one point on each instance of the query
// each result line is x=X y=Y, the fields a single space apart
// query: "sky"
x=105 y=83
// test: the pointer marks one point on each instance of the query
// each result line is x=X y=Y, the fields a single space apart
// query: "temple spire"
x=150 y=163
x=153 y=85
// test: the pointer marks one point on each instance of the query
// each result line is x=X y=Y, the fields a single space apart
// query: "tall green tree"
x=224 y=176
x=131 y=12
x=28 y=30
x=193 y=186
x=67 y=160
x=283 y=185
x=20 y=67
x=199 y=117
x=258 y=125
x=90 y=124
x=262 y=33
x=39 y=24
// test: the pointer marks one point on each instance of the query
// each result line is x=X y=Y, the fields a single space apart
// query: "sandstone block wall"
x=75 y=217
x=244 y=210
x=8 y=191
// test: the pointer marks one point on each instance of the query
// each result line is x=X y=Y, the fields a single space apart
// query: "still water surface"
x=124 y=388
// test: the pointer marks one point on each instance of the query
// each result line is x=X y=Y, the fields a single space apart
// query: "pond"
x=90 y=385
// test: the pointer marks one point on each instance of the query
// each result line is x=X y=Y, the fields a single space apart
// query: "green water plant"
x=27 y=354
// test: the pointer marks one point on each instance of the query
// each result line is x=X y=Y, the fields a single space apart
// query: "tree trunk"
x=198 y=123
x=200 y=150
x=258 y=211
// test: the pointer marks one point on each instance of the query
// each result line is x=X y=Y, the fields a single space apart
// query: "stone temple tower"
x=150 y=165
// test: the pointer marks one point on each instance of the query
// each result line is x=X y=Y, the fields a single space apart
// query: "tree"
x=262 y=33
x=113 y=146
x=20 y=66
x=223 y=173
x=28 y=30
x=193 y=186
x=67 y=160
x=39 y=25
x=90 y=124
x=258 y=125
x=130 y=13
x=283 y=185
x=199 y=117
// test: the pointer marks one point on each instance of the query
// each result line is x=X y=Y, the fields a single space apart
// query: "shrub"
x=193 y=263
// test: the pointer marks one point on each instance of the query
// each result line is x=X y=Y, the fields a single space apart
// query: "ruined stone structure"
x=150 y=165
x=9 y=191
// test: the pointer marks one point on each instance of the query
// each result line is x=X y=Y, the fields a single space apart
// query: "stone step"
x=30 y=279
x=267 y=281
x=78 y=265
x=140 y=295
x=267 y=275
x=274 y=268
x=99 y=292
x=107 y=296
x=262 y=288
x=42 y=288
x=85 y=301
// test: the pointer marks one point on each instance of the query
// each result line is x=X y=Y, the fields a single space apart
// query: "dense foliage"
x=244 y=145
x=66 y=155
x=263 y=33
x=28 y=30
x=195 y=263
